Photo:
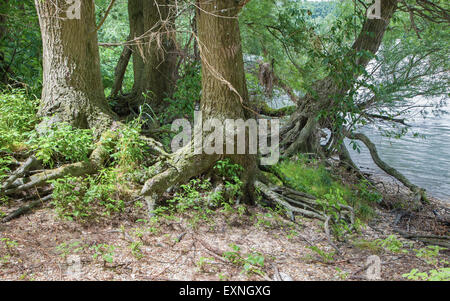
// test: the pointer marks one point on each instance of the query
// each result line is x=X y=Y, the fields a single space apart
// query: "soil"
x=178 y=249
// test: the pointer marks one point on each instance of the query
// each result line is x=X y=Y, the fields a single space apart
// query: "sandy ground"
x=176 y=250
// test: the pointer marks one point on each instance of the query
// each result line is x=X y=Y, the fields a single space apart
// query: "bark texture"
x=154 y=57
x=73 y=89
x=224 y=96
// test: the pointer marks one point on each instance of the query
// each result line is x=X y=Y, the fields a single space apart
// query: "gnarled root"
x=178 y=167
x=300 y=203
x=14 y=184
x=17 y=182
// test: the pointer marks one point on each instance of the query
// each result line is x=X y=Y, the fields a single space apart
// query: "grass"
x=312 y=177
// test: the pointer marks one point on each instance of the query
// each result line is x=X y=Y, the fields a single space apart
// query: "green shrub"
x=61 y=142
x=17 y=119
x=86 y=198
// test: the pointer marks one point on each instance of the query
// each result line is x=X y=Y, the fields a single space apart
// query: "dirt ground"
x=43 y=247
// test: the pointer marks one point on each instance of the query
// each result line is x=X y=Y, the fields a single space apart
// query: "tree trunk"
x=224 y=90
x=119 y=72
x=302 y=132
x=154 y=60
x=224 y=95
x=73 y=89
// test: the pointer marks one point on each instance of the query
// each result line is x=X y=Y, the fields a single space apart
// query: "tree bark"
x=154 y=59
x=119 y=72
x=224 y=96
x=72 y=85
x=224 y=89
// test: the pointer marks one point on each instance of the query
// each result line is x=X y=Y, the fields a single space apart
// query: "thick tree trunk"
x=302 y=133
x=73 y=89
x=224 y=95
x=154 y=60
x=224 y=90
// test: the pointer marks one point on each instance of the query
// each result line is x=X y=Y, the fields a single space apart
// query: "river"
x=424 y=161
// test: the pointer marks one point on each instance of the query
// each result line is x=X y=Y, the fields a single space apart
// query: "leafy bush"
x=86 y=198
x=62 y=142
x=17 y=119
x=129 y=150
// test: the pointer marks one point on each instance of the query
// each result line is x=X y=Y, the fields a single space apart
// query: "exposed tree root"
x=18 y=182
x=299 y=203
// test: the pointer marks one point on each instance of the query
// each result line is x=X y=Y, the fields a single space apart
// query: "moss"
x=313 y=178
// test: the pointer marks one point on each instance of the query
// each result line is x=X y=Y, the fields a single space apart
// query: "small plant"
x=203 y=262
x=251 y=264
x=341 y=274
x=136 y=250
x=332 y=205
x=326 y=257
x=429 y=254
x=69 y=248
x=103 y=251
x=441 y=274
x=61 y=142
x=10 y=245
x=84 y=198
x=391 y=244
x=129 y=150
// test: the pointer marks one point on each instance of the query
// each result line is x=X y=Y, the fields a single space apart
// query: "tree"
x=152 y=31
x=72 y=85
x=302 y=134
x=224 y=93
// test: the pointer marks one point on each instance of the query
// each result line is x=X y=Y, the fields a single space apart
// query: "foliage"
x=69 y=248
x=129 y=150
x=391 y=244
x=182 y=103
x=103 y=251
x=252 y=263
x=86 y=198
x=429 y=254
x=313 y=177
x=332 y=206
x=60 y=142
x=21 y=47
x=17 y=118
x=441 y=274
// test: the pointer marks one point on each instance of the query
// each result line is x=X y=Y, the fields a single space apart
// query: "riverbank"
x=254 y=245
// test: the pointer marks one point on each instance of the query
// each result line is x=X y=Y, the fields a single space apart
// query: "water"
x=425 y=162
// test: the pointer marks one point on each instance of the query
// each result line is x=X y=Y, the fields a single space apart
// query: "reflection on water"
x=425 y=162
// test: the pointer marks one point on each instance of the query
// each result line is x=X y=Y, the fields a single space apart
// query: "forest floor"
x=258 y=245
